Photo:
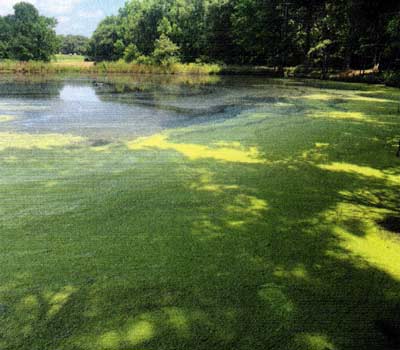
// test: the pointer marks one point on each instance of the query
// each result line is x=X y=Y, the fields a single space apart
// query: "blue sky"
x=74 y=16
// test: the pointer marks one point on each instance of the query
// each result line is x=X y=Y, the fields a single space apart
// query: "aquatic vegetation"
x=229 y=152
x=40 y=141
x=362 y=171
x=343 y=115
x=264 y=228
x=315 y=342
x=319 y=97
x=371 y=246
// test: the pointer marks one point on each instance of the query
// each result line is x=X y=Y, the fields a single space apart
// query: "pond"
x=181 y=212
x=120 y=107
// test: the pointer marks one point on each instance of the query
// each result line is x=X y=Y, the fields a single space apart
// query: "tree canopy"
x=73 y=44
x=338 y=34
x=327 y=33
x=26 y=35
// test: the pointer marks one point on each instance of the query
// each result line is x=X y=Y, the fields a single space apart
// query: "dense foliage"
x=323 y=33
x=308 y=34
x=25 y=35
x=73 y=44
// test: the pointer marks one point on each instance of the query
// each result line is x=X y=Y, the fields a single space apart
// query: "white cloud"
x=91 y=14
x=57 y=7
x=63 y=19
x=49 y=7
x=73 y=16
x=6 y=6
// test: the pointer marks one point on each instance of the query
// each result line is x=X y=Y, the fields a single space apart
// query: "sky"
x=73 y=16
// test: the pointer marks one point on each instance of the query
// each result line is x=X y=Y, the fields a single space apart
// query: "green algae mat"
x=153 y=213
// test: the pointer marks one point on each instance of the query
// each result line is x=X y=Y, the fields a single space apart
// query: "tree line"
x=337 y=34
x=327 y=33
x=73 y=44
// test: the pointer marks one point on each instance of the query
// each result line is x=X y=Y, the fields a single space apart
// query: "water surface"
x=120 y=107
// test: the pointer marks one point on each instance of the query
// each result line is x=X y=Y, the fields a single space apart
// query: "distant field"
x=69 y=58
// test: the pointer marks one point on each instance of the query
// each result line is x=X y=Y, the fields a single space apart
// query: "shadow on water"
x=257 y=268
x=391 y=223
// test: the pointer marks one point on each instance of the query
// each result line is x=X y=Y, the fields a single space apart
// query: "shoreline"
x=42 y=68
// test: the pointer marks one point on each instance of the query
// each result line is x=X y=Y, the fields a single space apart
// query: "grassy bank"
x=69 y=58
x=276 y=229
x=77 y=64
x=368 y=76
x=65 y=66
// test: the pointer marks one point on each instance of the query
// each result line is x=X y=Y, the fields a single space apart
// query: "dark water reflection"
x=121 y=107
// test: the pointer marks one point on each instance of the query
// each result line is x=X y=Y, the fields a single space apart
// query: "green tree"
x=257 y=26
x=321 y=33
x=31 y=36
x=131 y=53
x=220 y=38
x=73 y=44
x=5 y=37
x=392 y=51
x=140 y=20
x=319 y=54
x=106 y=43
x=165 y=51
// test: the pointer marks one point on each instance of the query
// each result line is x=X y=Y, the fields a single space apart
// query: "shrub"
x=391 y=78
x=142 y=59
x=131 y=53
x=166 y=52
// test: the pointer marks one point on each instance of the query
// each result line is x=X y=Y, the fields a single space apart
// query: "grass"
x=65 y=65
x=69 y=58
x=259 y=232
x=76 y=64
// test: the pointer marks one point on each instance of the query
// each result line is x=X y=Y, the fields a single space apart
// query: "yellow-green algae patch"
x=133 y=334
x=374 y=247
x=315 y=342
x=6 y=118
x=39 y=141
x=349 y=116
x=267 y=230
x=342 y=115
x=223 y=151
x=363 y=171
x=57 y=300
x=347 y=97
